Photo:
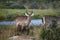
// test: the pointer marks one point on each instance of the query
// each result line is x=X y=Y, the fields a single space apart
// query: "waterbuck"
x=23 y=21
x=48 y=21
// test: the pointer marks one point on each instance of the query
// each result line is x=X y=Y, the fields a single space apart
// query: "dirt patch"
x=22 y=37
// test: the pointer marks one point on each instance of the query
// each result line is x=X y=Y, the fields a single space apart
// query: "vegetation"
x=31 y=4
x=7 y=31
x=9 y=9
x=51 y=33
x=10 y=14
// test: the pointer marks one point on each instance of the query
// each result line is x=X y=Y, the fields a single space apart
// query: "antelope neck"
x=29 y=19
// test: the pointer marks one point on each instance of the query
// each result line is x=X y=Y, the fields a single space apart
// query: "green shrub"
x=51 y=33
x=11 y=17
x=2 y=18
x=33 y=6
x=17 y=6
x=4 y=7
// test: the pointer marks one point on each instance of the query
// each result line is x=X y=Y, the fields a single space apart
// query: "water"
x=36 y=22
x=33 y=22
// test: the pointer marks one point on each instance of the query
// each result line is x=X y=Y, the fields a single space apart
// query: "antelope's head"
x=29 y=14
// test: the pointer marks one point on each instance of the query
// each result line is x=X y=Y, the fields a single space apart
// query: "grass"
x=6 y=31
x=36 y=31
x=38 y=13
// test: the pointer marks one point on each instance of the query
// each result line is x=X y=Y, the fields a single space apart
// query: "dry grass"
x=36 y=30
x=6 y=31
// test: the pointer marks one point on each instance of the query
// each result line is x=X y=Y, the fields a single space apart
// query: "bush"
x=11 y=17
x=17 y=6
x=3 y=7
x=12 y=5
x=33 y=6
x=51 y=33
x=2 y=18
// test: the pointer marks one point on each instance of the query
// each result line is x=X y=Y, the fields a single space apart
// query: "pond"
x=33 y=22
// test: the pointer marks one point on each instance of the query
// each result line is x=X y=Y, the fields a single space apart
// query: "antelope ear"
x=26 y=14
x=32 y=14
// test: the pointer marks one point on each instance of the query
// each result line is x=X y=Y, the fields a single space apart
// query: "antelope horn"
x=32 y=14
x=26 y=13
